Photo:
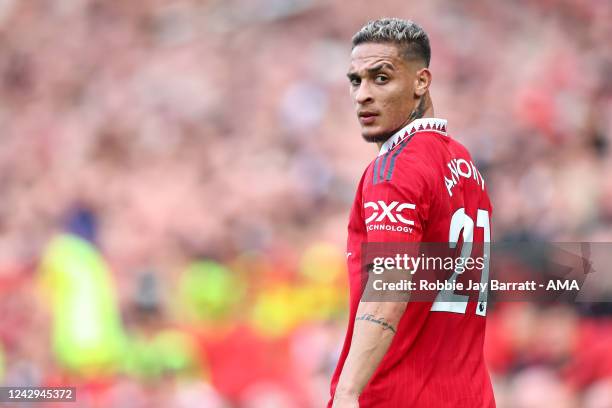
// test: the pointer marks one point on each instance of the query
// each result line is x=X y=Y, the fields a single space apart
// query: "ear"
x=422 y=81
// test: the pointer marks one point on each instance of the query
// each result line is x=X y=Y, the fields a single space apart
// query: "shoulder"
x=403 y=171
x=414 y=157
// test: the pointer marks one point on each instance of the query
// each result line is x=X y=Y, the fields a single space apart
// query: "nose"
x=363 y=96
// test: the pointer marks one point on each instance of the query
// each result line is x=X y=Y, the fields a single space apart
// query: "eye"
x=381 y=79
x=355 y=81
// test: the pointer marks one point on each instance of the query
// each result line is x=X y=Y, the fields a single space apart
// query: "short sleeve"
x=396 y=208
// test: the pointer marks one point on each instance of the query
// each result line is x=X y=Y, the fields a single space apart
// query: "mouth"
x=367 y=118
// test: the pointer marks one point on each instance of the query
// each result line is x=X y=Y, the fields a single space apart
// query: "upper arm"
x=396 y=208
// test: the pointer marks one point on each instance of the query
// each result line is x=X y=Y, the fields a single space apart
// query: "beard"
x=379 y=138
x=382 y=137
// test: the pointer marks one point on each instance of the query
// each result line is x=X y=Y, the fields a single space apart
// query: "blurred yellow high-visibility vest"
x=87 y=332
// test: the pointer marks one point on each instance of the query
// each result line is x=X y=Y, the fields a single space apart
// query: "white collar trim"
x=417 y=125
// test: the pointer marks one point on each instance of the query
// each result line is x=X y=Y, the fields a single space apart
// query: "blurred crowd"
x=175 y=180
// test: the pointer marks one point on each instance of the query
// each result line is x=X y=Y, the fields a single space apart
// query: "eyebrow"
x=372 y=70
x=379 y=67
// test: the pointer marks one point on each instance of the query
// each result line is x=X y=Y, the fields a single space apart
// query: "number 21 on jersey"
x=448 y=300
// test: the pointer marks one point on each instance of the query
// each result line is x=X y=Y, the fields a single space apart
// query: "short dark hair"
x=405 y=33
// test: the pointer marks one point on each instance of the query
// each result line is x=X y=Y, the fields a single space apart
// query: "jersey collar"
x=429 y=124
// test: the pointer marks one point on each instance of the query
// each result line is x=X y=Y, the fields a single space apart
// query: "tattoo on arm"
x=418 y=112
x=370 y=318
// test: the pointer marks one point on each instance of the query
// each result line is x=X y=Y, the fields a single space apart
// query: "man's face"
x=382 y=88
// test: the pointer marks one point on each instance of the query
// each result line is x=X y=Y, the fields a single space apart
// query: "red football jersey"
x=423 y=187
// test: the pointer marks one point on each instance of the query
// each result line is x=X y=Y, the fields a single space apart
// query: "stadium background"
x=208 y=152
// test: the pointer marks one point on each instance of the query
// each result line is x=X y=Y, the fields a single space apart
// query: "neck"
x=423 y=109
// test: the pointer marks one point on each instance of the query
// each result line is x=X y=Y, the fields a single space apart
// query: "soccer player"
x=422 y=187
